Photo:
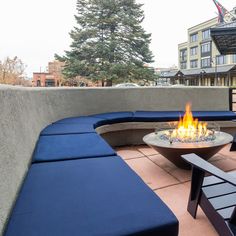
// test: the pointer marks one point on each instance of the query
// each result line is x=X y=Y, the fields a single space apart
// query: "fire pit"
x=188 y=136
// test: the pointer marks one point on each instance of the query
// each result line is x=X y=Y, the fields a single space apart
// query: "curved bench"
x=81 y=134
x=77 y=185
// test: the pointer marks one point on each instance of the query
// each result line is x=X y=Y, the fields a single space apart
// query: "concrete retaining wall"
x=26 y=111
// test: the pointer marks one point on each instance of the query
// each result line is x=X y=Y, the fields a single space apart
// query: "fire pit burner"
x=168 y=136
x=173 y=150
x=187 y=136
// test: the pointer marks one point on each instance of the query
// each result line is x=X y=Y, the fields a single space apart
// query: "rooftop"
x=170 y=183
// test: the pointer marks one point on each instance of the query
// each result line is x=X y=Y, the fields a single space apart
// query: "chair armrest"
x=201 y=164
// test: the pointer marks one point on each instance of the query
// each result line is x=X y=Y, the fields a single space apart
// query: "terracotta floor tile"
x=161 y=161
x=226 y=151
x=128 y=152
x=217 y=157
x=189 y=226
x=172 y=184
x=176 y=197
x=180 y=174
x=225 y=164
x=147 y=150
x=153 y=175
x=232 y=155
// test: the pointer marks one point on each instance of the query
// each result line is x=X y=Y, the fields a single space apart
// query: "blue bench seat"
x=57 y=129
x=157 y=116
x=88 y=197
x=74 y=125
x=93 y=121
x=116 y=117
x=163 y=116
x=71 y=146
x=214 y=115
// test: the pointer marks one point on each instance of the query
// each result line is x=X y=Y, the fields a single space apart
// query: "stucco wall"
x=26 y=111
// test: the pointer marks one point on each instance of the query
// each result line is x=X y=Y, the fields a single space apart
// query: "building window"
x=206 y=34
x=193 y=51
x=38 y=83
x=205 y=47
x=193 y=82
x=206 y=62
x=183 y=65
x=193 y=38
x=220 y=60
x=193 y=64
x=49 y=83
x=234 y=58
x=183 y=55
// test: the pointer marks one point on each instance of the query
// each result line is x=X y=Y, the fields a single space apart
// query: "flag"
x=221 y=11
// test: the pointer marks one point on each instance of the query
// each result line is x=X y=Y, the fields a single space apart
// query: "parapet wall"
x=26 y=111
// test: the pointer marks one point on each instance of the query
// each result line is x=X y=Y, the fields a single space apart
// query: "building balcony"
x=25 y=112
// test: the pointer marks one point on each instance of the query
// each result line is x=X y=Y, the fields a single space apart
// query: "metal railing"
x=232 y=99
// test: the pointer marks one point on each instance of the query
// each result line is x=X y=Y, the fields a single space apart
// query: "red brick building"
x=43 y=79
x=52 y=78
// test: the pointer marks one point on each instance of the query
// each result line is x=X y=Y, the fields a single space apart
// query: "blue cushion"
x=116 y=117
x=152 y=116
x=214 y=115
x=95 y=121
x=68 y=129
x=155 y=116
x=99 y=196
x=71 y=146
x=233 y=146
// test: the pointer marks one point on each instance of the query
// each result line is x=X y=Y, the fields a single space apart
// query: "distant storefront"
x=52 y=78
x=218 y=76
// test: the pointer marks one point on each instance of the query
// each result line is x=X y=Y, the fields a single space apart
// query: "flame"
x=189 y=128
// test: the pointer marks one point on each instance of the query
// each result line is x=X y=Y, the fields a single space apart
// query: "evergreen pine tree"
x=108 y=42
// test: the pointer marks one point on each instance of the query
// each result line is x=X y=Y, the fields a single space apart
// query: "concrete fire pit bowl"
x=173 y=151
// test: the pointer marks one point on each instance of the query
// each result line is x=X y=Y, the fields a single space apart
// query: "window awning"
x=220 y=69
x=171 y=74
x=224 y=37
x=211 y=70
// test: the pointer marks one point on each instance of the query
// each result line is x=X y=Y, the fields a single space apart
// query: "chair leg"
x=232 y=222
x=233 y=217
x=221 y=226
x=195 y=192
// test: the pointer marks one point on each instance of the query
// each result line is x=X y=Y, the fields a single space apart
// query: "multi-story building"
x=52 y=78
x=44 y=79
x=199 y=61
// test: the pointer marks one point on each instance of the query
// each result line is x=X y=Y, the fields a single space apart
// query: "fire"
x=189 y=128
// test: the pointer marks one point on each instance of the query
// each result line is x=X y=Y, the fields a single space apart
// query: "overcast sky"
x=36 y=30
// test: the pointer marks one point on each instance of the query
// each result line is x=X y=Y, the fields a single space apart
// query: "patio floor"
x=172 y=184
